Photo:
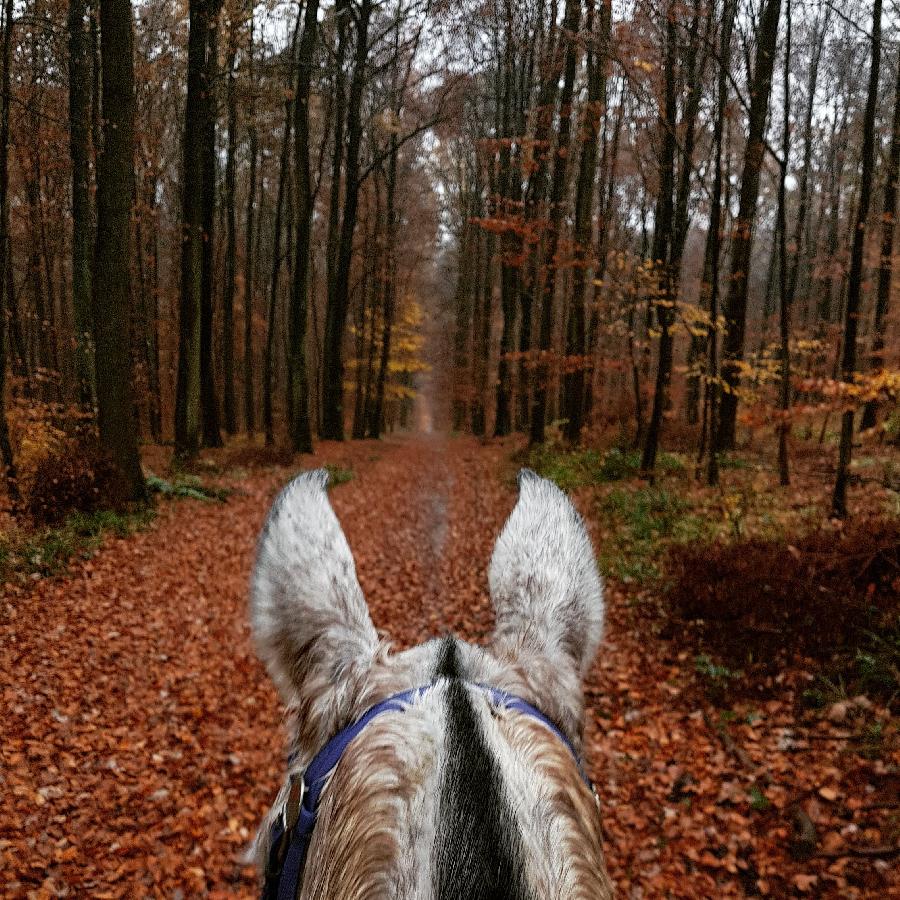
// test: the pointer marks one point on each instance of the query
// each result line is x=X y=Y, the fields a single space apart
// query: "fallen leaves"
x=142 y=741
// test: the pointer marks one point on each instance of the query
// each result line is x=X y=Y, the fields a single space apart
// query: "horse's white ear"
x=545 y=587
x=307 y=610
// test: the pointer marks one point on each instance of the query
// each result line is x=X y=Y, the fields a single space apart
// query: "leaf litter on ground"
x=143 y=742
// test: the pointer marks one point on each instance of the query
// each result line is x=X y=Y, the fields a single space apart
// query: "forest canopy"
x=674 y=221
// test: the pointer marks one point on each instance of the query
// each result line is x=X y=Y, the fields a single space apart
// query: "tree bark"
x=277 y=255
x=462 y=301
x=661 y=252
x=662 y=236
x=188 y=415
x=298 y=377
x=228 y=397
x=376 y=419
x=339 y=116
x=112 y=284
x=885 y=268
x=79 y=145
x=507 y=184
x=854 y=285
x=712 y=257
x=6 y=285
x=250 y=248
x=784 y=318
x=212 y=436
x=735 y=309
x=339 y=295
x=571 y=22
x=595 y=109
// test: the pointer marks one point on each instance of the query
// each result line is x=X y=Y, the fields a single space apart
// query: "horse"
x=448 y=771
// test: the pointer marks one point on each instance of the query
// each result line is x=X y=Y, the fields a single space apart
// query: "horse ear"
x=308 y=614
x=545 y=587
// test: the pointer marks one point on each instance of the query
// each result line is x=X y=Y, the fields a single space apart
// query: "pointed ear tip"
x=313 y=478
x=531 y=483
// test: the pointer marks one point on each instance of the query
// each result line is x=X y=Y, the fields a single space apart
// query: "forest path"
x=142 y=740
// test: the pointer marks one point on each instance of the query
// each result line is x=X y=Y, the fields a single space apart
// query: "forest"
x=644 y=247
x=289 y=222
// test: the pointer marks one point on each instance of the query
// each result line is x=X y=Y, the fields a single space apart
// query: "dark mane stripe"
x=478 y=851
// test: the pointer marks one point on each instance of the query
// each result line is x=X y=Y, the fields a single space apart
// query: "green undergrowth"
x=638 y=520
x=639 y=524
x=43 y=552
x=29 y=552
x=338 y=474
x=187 y=487
x=746 y=575
x=582 y=467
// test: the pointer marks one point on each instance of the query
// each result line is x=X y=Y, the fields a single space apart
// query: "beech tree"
x=112 y=283
x=885 y=268
x=854 y=278
x=735 y=308
x=565 y=220
x=196 y=274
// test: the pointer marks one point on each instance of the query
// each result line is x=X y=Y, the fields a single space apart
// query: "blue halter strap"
x=292 y=831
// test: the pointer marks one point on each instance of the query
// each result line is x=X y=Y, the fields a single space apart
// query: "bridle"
x=291 y=832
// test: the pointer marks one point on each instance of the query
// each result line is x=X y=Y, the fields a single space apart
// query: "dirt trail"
x=142 y=741
x=141 y=738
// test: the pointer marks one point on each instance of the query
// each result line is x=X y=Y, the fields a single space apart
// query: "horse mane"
x=478 y=848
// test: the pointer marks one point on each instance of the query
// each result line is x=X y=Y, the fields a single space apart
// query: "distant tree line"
x=213 y=217
x=551 y=216
x=672 y=208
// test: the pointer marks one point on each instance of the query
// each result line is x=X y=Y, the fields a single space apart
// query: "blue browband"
x=292 y=831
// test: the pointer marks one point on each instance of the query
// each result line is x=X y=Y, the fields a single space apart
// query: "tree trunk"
x=481 y=329
x=885 y=268
x=662 y=236
x=6 y=285
x=250 y=249
x=712 y=257
x=371 y=284
x=508 y=194
x=209 y=406
x=298 y=378
x=735 y=309
x=695 y=80
x=197 y=110
x=462 y=331
x=609 y=168
x=571 y=22
x=79 y=144
x=339 y=295
x=784 y=318
x=376 y=420
x=576 y=334
x=228 y=399
x=339 y=115
x=112 y=284
x=854 y=285
x=277 y=255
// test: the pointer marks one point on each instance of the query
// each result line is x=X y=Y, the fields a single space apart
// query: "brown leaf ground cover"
x=142 y=741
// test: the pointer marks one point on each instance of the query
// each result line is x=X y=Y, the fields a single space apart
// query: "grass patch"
x=641 y=525
x=187 y=487
x=577 y=468
x=338 y=474
x=28 y=552
x=44 y=552
x=728 y=461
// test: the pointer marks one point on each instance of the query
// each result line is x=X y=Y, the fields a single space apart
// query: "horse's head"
x=448 y=770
